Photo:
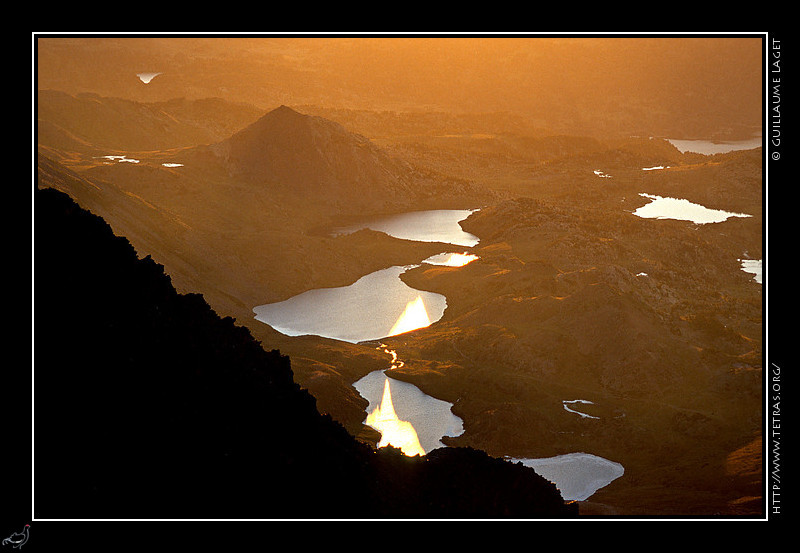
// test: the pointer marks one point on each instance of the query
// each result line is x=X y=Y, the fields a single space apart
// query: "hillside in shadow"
x=149 y=405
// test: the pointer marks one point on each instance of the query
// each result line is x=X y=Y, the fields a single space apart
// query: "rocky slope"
x=657 y=326
x=149 y=405
x=90 y=123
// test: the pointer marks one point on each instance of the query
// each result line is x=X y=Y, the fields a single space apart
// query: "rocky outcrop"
x=149 y=405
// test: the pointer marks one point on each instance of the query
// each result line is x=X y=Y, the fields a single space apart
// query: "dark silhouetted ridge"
x=149 y=405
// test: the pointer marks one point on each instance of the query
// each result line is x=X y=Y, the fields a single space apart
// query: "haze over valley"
x=544 y=308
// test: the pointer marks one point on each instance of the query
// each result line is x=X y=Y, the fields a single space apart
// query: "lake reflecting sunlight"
x=375 y=306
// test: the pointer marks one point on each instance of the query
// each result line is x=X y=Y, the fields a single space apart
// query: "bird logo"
x=17 y=539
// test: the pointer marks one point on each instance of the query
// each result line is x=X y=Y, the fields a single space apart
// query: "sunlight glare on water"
x=394 y=432
x=414 y=316
x=451 y=259
x=431 y=418
x=437 y=225
x=374 y=307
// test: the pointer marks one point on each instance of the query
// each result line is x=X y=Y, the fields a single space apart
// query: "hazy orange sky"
x=574 y=76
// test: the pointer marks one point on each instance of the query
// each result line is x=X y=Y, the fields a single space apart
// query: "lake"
x=436 y=225
x=752 y=266
x=375 y=306
x=379 y=305
x=406 y=417
x=708 y=147
x=683 y=210
x=576 y=475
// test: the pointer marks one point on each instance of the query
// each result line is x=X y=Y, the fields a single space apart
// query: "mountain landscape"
x=167 y=410
x=224 y=203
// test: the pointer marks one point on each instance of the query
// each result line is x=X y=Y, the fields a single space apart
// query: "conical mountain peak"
x=282 y=118
x=313 y=158
x=285 y=112
x=284 y=109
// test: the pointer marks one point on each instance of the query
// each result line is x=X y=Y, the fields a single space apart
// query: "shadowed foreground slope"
x=148 y=405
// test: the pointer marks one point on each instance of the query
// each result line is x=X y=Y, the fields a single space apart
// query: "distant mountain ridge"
x=623 y=85
x=298 y=158
x=92 y=123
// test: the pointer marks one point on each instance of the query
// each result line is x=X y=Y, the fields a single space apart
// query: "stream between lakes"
x=379 y=305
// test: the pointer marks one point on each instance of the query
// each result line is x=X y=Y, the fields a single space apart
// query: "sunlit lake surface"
x=379 y=305
x=752 y=266
x=437 y=225
x=375 y=306
x=577 y=475
x=415 y=422
x=683 y=210
x=707 y=147
x=405 y=416
x=451 y=259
